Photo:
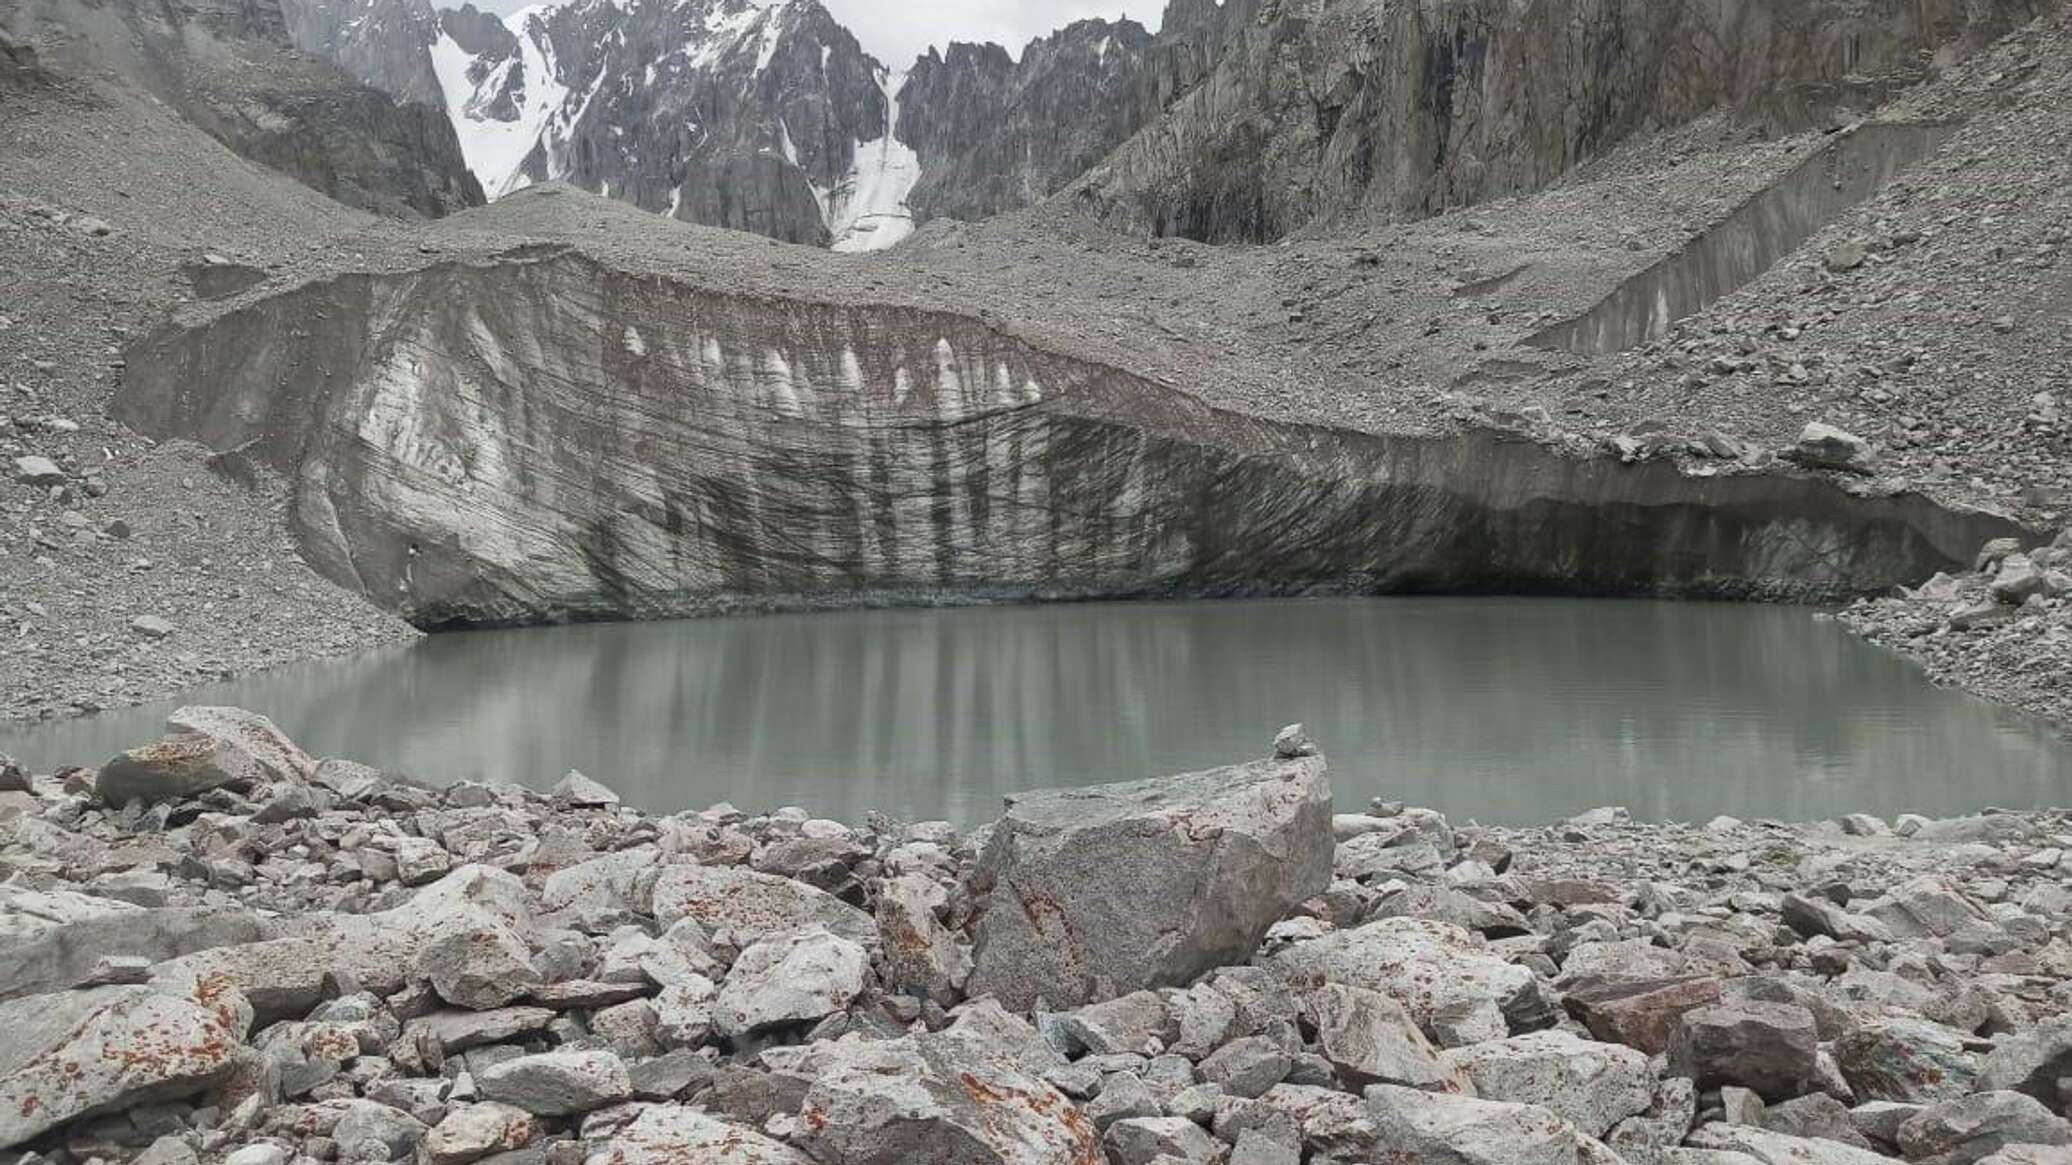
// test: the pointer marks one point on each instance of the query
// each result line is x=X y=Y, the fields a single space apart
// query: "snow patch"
x=493 y=149
x=867 y=210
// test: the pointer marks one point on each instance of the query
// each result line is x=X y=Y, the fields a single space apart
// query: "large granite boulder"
x=791 y=978
x=204 y=748
x=107 y=1049
x=1438 y=1129
x=1591 y=1085
x=750 y=905
x=1086 y=894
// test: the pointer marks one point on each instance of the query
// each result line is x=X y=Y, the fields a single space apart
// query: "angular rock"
x=367 y=1130
x=1436 y=1129
x=1247 y=1067
x=1777 y=1148
x=1825 y=447
x=1158 y=1140
x=1770 y=1048
x=2031 y=1061
x=456 y=1031
x=1903 y=1059
x=921 y=955
x=789 y=978
x=40 y=472
x=1091 y=893
x=1369 y=1039
x=1643 y=1014
x=1968 y=1128
x=558 y=1083
x=104 y=1049
x=580 y=792
x=972 y=1094
x=751 y=905
x=671 y=1135
x=479 y=968
x=1130 y=1024
x=1591 y=1085
x=476 y=1131
x=1441 y=974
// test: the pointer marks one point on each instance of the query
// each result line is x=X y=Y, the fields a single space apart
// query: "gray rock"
x=1879 y=1120
x=1814 y=1115
x=581 y=792
x=1122 y=1097
x=558 y=1083
x=153 y=626
x=106 y=1048
x=751 y=905
x=921 y=955
x=1823 y=446
x=1132 y=1023
x=1778 y=1148
x=1247 y=1067
x=1145 y=1140
x=684 y=1012
x=601 y=885
x=1643 y=1014
x=1444 y=977
x=1369 y=1039
x=475 y=1131
x=1438 y=1129
x=1445 y=904
x=1814 y=916
x=972 y=1094
x=1770 y=1048
x=1591 y=1085
x=479 y=968
x=364 y=1121
x=2031 y=1061
x=1968 y=1128
x=456 y=1031
x=794 y=977
x=669 y=1075
x=669 y=1135
x=1904 y=1059
x=40 y=472
x=1091 y=893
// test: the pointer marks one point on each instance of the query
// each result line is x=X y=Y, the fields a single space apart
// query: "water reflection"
x=1507 y=710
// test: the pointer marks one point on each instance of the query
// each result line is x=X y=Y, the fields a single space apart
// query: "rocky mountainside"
x=1327 y=109
x=230 y=67
x=750 y=114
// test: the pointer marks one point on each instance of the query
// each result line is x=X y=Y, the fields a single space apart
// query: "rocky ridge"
x=249 y=955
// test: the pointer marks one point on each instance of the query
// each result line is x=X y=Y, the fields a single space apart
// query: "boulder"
x=368 y=1130
x=456 y=1031
x=1769 y=1048
x=1444 y=904
x=1246 y=1067
x=40 y=472
x=600 y=885
x=922 y=957
x=580 y=792
x=1368 y=1038
x=971 y=1094
x=1591 y=1085
x=1643 y=1014
x=750 y=905
x=2031 y=1061
x=1825 y=447
x=557 y=1083
x=106 y=1049
x=476 y=1131
x=1904 y=1059
x=669 y=1135
x=480 y=967
x=1775 y=1148
x=1437 y=1129
x=1086 y=894
x=60 y=954
x=1159 y=1140
x=789 y=978
x=1456 y=990
x=1965 y=1129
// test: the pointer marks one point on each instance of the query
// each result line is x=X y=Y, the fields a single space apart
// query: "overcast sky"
x=897 y=31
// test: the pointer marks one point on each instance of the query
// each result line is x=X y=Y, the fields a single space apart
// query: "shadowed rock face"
x=1318 y=110
x=553 y=439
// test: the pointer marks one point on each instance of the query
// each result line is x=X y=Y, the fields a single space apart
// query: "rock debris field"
x=220 y=949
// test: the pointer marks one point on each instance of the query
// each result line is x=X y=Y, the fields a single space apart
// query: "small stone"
x=41 y=472
x=1846 y=255
x=1292 y=742
x=152 y=626
x=581 y=792
x=558 y=1083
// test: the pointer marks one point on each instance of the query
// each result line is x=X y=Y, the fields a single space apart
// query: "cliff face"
x=229 y=67
x=1317 y=110
x=519 y=441
x=384 y=43
x=995 y=134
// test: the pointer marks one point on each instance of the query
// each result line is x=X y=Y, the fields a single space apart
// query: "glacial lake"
x=1516 y=711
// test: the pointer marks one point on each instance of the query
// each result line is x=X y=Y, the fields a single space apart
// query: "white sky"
x=897 y=31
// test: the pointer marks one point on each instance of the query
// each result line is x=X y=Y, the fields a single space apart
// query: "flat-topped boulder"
x=1087 y=894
